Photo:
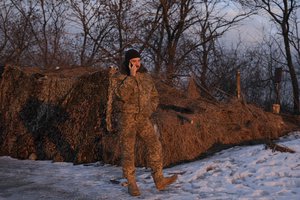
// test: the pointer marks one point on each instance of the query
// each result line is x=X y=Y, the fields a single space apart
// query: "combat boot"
x=162 y=182
x=133 y=189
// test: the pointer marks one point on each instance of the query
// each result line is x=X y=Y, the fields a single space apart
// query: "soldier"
x=139 y=99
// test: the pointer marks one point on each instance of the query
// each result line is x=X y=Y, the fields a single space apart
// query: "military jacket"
x=138 y=94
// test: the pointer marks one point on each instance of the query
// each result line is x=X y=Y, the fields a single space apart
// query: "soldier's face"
x=136 y=62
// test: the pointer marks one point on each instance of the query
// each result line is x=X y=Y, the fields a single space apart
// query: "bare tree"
x=280 y=12
x=164 y=34
x=125 y=19
x=176 y=18
x=4 y=23
x=92 y=25
x=152 y=34
x=46 y=22
x=213 y=23
x=295 y=36
x=262 y=60
x=146 y=25
x=183 y=28
x=15 y=34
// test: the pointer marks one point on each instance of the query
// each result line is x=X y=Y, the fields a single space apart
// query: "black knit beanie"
x=131 y=53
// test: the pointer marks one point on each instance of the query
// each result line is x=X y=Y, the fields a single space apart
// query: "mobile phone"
x=130 y=65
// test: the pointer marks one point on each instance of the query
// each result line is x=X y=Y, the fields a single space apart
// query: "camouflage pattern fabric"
x=133 y=126
x=139 y=99
x=113 y=107
x=138 y=94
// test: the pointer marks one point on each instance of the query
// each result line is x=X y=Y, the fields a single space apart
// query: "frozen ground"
x=250 y=172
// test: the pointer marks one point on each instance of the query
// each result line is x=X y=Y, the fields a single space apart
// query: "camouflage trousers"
x=133 y=126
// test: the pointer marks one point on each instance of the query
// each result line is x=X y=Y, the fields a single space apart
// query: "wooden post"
x=238 y=84
x=277 y=80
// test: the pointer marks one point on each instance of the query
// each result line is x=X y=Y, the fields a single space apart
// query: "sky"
x=252 y=30
x=241 y=172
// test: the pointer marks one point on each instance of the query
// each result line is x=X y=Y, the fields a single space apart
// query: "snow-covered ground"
x=247 y=172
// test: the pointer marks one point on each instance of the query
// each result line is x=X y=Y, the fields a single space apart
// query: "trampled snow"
x=241 y=172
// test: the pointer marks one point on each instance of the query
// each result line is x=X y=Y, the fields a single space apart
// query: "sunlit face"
x=136 y=62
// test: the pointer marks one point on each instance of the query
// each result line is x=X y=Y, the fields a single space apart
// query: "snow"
x=242 y=172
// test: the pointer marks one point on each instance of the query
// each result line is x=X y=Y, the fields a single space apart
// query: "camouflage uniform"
x=139 y=99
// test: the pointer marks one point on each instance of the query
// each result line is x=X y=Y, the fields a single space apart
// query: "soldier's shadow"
x=42 y=121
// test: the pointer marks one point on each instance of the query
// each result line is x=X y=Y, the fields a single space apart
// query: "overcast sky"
x=253 y=29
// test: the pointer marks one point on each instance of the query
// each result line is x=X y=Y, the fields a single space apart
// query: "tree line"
x=177 y=38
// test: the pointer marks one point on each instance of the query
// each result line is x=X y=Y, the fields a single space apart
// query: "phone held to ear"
x=130 y=65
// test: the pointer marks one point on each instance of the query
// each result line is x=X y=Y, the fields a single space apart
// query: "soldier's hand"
x=132 y=69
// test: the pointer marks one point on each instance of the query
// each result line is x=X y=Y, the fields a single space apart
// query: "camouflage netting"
x=60 y=115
